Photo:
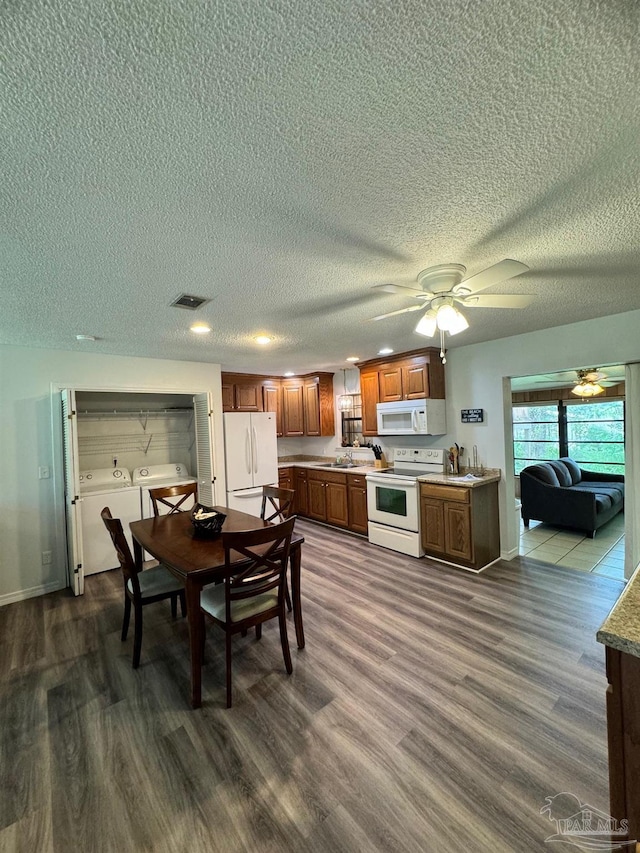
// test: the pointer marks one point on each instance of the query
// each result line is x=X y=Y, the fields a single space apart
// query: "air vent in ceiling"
x=190 y=302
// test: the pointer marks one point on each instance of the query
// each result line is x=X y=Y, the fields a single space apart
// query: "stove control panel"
x=434 y=455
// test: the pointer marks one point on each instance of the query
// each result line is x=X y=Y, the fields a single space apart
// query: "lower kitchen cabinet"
x=301 y=486
x=285 y=478
x=328 y=497
x=460 y=524
x=357 y=503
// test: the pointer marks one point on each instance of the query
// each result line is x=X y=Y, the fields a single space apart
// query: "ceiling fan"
x=587 y=381
x=444 y=289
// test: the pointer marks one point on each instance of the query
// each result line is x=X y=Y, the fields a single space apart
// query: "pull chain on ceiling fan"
x=443 y=289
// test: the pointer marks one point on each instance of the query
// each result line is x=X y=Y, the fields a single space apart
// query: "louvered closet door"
x=204 y=448
x=72 y=501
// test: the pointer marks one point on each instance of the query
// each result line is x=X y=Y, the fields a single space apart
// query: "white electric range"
x=393 y=498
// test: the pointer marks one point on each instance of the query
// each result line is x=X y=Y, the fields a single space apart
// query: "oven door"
x=393 y=500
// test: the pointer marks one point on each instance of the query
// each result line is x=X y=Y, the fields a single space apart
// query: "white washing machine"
x=102 y=487
x=157 y=476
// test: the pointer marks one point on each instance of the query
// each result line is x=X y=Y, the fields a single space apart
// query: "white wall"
x=475 y=375
x=30 y=513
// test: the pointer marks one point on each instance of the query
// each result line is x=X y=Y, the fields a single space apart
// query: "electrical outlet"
x=46 y=558
x=44 y=472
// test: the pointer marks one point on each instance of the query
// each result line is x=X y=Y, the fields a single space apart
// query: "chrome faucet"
x=349 y=455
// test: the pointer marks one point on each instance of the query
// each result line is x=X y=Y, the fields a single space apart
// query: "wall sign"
x=472 y=416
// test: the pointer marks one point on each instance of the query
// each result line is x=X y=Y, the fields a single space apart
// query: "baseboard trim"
x=510 y=555
x=32 y=592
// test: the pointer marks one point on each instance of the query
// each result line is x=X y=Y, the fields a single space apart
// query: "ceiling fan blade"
x=401 y=288
x=400 y=311
x=501 y=271
x=504 y=300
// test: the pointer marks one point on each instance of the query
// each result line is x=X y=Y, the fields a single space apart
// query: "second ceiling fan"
x=445 y=290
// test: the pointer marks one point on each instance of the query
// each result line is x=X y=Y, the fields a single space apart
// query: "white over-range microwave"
x=412 y=417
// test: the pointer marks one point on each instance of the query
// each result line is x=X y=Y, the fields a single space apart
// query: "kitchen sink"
x=337 y=465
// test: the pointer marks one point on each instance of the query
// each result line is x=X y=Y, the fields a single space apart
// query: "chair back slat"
x=277 y=504
x=127 y=564
x=165 y=495
x=256 y=561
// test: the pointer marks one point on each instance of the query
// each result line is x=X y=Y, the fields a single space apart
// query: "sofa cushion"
x=543 y=472
x=573 y=468
x=562 y=472
x=614 y=490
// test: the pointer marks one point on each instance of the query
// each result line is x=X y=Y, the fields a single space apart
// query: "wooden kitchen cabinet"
x=319 y=409
x=406 y=380
x=241 y=393
x=317 y=497
x=370 y=395
x=303 y=404
x=328 y=497
x=357 y=503
x=292 y=408
x=411 y=375
x=285 y=478
x=460 y=524
x=301 y=486
x=390 y=383
x=272 y=402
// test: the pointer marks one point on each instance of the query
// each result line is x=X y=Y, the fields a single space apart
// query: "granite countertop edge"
x=491 y=475
x=621 y=629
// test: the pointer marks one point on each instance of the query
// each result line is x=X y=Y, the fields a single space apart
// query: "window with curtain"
x=591 y=433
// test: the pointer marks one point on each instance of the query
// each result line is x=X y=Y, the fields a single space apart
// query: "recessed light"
x=200 y=328
x=385 y=351
x=354 y=358
x=289 y=373
x=86 y=338
x=262 y=339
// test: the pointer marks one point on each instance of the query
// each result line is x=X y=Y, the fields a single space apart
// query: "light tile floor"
x=603 y=555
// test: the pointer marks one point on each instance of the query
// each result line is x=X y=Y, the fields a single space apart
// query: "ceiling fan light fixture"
x=455 y=320
x=587 y=389
x=427 y=325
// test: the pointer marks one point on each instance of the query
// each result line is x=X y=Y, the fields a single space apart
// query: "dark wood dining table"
x=199 y=561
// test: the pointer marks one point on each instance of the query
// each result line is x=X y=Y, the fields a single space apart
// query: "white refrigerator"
x=251 y=458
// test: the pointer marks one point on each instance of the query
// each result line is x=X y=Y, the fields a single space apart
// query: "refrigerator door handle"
x=255 y=451
x=247 y=450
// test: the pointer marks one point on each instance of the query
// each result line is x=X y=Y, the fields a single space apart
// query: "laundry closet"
x=118 y=445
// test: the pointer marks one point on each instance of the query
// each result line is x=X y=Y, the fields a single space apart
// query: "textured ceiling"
x=280 y=158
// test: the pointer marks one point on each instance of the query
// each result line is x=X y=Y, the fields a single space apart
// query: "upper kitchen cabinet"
x=241 y=393
x=370 y=393
x=292 y=407
x=303 y=404
x=414 y=375
x=319 y=412
x=272 y=401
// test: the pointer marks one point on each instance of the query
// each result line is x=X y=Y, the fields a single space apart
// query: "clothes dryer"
x=156 y=476
x=101 y=487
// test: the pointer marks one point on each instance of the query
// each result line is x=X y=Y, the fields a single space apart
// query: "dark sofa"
x=563 y=494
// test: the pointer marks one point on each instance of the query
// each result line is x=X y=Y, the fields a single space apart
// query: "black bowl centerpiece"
x=207 y=521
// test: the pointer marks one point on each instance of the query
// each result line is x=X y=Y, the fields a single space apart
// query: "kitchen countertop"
x=319 y=466
x=621 y=629
x=491 y=475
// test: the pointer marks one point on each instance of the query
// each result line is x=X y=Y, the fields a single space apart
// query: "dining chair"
x=141 y=587
x=277 y=504
x=163 y=495
x=252 y=592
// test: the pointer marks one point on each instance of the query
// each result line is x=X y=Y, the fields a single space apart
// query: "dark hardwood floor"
x=432 y=710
